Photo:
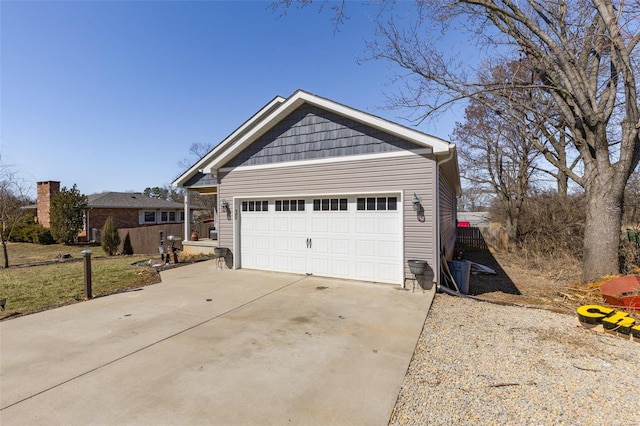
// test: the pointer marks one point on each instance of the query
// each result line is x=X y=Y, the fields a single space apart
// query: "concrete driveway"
x=214 y=347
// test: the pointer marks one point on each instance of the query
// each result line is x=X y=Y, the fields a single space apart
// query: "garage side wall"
x=409 y=174
x=448 y=206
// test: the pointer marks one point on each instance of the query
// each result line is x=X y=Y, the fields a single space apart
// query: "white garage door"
x=355 y=237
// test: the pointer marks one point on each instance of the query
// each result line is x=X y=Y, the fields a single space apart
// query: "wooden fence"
x=492 y=237
x=146 y=239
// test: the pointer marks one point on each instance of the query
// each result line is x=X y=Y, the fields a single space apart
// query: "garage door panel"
x=298 y=224
x=319 y=224
x=340 y=246
x=320 y=245
x=388 y=249
x=365 y=270
x=297 y=264
x=388 y=271
x=340 y=225
x=262 y=261
x=281 y=224
x=365 y=248
x=340 y=268
x=262 y=242
x=388 y=226
x=280 y=244
x=261 y=224
x=355 y=244
x=320 y=266
x=298 y=244
x=365 y=225
x=248 y=224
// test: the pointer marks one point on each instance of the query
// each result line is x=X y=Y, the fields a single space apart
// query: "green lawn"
x=30 y=289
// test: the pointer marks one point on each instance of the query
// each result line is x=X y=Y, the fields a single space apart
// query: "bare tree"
x=583 y=54
x=12 y=201
x=495 y=156
x=197 y=150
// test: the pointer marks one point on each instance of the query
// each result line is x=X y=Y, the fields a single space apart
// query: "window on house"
x=330 y=204
x=379 y=203
x=255 y=206
x=289 y=205
x=164 y=216
x=172 y=216
x=149 y=217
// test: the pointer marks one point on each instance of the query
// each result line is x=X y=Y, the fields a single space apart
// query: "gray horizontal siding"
x=310 y=133
x=447 y=216
x=408 y=173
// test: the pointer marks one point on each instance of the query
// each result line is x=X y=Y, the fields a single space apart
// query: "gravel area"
x=481 y=363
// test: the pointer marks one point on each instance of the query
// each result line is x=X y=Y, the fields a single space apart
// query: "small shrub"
x=42 y=236
x=32 y=232
x=127 y=248
x=629 y=256
x=552 y=225
x=110 y=237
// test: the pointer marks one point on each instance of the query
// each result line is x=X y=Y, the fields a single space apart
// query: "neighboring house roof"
x=279 y=108
x=129 y=200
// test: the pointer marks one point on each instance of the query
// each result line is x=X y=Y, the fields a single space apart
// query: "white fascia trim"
x=200 y=166
x=300 y=97
x=305 y=195
x=361 y=157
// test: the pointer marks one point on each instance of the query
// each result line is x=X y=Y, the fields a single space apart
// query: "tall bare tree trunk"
x=563 y=183
x=602 y=228
x=5 y=254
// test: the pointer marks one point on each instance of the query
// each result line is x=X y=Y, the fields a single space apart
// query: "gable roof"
x=129 y=200
x=279 y=108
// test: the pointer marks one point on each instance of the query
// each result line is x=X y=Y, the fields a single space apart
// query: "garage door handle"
x=307 y=243
x=310 y=243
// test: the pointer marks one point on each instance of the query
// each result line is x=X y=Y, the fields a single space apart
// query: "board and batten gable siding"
x=447 y=216
x=412 y=173
x=310 y=132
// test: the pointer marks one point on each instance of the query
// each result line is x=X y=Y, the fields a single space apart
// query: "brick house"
x=128 y=209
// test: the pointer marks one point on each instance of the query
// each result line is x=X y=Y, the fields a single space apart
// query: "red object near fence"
x=464 y=224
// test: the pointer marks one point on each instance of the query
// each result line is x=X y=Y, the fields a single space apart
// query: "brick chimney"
x=46 y=190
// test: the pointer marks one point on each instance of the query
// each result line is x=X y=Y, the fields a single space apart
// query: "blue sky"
x=110 y=95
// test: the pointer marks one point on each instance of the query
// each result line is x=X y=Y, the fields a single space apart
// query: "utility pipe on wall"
x=437 y=224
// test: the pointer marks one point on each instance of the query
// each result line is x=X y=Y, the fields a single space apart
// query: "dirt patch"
x=515 y=283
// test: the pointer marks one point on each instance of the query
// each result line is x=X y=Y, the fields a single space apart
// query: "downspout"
x=437 y=224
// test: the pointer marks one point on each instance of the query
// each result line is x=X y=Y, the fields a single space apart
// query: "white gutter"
x=437 y=224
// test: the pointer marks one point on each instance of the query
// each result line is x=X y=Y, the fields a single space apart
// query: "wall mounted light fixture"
x=225 y=206
x=416 y=202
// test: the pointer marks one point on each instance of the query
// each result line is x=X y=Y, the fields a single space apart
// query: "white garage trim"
x=347 y=243
x=361 y=157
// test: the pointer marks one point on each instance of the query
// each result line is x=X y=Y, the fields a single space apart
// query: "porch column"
x=187 y=216
x=216 y=220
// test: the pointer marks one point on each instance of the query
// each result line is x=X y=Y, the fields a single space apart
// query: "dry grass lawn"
x=29 y=287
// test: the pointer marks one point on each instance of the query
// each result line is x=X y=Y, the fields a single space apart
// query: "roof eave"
x=252 y=121
x=230 y=147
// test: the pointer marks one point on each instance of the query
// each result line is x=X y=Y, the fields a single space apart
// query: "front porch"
x=202 y=246
x=206 y=232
